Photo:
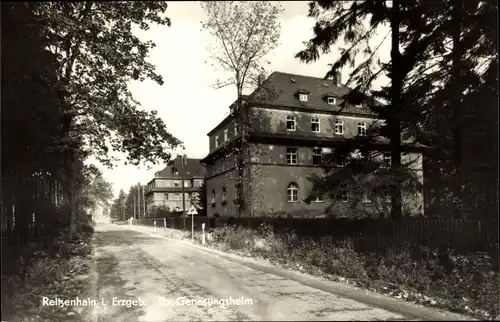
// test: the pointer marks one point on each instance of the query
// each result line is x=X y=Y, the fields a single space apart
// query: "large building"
x=292 y=121
x=165 y=189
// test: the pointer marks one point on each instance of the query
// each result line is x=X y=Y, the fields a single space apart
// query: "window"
x=176 y=184
x=386 y=160
x=315 y=124
x=341 y=161
x=177 y=196
x=291 y=155
x=359 y=105
x=339 y=127
x=319 y=198
x=235 y=128
x=225 y=134
x=345 y=197
x=213 y=198
x=216 y=141
x=175 y=172
x=303 y=97
x=292 y=192
x=332 y=100
x=362 y=128
x=366 y=199
x=317 y=156
x=165 y=196
x=290 y=123
x=224 y=196
x=186 y=183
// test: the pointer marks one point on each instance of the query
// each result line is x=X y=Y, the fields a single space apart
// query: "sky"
x=187 y=101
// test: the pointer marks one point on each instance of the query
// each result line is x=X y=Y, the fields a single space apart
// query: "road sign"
x=192 y=211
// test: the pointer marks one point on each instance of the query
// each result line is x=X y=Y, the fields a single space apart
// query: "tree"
x=199 y=199
x=118 y=207
x=418 y=69
x=135 y=198
x=244 y=32
x=97 y=54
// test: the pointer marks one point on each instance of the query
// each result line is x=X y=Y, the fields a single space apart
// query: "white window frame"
x=361 y=128
x=344 y=197
x=292 y=192
x=289 y=156
x=386 y=159
x=339 y=124
x=316 y=154
x=293 y=119
x=333 y=100
x=303 y=97
x=366 y=199
x=226 y=134
x=315 y=120
x=319 y=198
x=216 y=141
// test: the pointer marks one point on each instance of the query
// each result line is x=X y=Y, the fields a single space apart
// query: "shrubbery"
x=463 y=283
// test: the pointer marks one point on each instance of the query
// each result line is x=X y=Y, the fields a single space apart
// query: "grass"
x=53 y=269
x=461 y=283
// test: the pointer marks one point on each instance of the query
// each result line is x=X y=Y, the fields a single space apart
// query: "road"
x=162 y=275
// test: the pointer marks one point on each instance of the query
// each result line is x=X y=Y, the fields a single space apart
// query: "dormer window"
x=303 y=95
x=331 y=100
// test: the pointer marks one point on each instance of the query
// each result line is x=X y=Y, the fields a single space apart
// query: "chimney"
x=260 y=79
x=338 y=79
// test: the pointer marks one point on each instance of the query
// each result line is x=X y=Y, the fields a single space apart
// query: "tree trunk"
x=241 y=154
x=394 y=121
x=457 y=106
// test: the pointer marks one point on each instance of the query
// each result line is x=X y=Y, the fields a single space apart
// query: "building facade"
x=165 y=189
x=292 y=121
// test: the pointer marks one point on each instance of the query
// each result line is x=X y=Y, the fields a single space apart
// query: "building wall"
x=270 y=176
x=170 y=183
x=216 y=183
x=174 y=200
x=274 y=121
x=230 y=126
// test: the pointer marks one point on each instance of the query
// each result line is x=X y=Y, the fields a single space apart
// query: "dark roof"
x=279 y=89
x=193 y=168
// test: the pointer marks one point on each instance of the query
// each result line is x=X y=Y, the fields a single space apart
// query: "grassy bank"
x=57 y=268
x=460 y=283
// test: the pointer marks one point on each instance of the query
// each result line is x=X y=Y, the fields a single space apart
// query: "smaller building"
x=166 y=188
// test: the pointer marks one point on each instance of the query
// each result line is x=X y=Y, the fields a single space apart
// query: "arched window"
x=292 y=192
x=213 y=197
x=223 y=194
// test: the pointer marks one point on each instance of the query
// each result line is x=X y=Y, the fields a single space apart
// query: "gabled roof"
x=193 y=168
x=280 y=89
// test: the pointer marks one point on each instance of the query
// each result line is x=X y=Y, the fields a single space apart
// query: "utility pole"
x=139 y=198
x=144 y=199
x=182 y=183
x=134 y=208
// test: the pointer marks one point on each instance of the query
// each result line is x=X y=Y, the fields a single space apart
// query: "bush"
x=460 y=282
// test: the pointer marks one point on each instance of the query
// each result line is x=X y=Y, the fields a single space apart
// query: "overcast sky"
x=186 y=102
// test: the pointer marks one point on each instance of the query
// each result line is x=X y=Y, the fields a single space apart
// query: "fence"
x=177 y=222
x=382 y=235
